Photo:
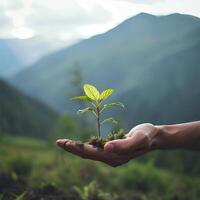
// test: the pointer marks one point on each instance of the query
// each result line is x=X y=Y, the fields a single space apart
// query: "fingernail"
x=109 y=148
x=61 y=142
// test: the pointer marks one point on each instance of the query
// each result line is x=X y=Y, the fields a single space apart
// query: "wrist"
x=177 y=136
x=156 y=140
x=167 y=137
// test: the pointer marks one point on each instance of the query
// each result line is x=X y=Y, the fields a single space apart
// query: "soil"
x=11 y=187
x=99 y=142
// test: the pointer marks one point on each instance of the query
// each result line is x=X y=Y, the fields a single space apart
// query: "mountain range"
x=18 y=54
x=151 y=61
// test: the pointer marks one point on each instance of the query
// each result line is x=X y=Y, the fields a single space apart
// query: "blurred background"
x=147 y=50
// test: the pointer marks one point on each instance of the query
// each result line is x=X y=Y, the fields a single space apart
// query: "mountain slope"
x=9 y=61
x=21 y=115
x=122 y=58
x=17 y=54
x=169 y=94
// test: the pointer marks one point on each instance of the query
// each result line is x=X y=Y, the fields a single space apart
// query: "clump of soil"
x=99 y=142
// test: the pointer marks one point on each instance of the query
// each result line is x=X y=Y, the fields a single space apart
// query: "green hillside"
x=22 y=115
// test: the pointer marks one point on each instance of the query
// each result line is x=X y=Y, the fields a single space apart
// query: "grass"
x=41 y=163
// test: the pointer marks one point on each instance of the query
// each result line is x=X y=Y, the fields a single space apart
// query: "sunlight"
x=22 y=33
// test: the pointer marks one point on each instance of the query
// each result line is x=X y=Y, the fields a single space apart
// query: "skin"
x=140 y=140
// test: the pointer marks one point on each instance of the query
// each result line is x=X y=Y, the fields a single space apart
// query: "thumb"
x=120 y=146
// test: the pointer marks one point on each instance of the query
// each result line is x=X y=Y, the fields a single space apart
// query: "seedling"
x=96 y=107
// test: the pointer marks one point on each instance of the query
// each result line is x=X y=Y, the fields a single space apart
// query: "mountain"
x=9 y=61
x=22 y=115
x=17 y=54
x=146 y=58
x=170 y=91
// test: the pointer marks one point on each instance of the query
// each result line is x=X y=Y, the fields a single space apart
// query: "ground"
x=37 y=169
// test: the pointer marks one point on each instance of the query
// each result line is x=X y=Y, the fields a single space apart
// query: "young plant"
x=95 y=99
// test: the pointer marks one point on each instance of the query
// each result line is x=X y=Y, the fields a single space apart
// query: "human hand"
x=138 y=141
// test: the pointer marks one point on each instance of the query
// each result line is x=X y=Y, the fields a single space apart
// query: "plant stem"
x=98 y=121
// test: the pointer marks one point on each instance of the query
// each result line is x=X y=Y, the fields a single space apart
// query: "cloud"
x=5 y=22
x=49 y=17
x=144 y=1
x=74 y=19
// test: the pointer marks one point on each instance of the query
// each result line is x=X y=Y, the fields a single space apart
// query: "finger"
x=82 y=150
x=126 y=146
x=77 y=148
x=120 y=146
x=73 y=147
x=61 y=142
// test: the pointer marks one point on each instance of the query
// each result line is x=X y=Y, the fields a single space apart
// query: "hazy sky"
x=72 y=19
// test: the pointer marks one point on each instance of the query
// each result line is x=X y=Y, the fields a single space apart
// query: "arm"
x=179 y=136
x=140 y=140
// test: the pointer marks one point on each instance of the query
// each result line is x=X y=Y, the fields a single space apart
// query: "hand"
x=116 y=152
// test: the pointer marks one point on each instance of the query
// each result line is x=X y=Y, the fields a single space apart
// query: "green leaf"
x=91 y=92
x=110 y=120
x=1 y=196
x=21 y=196
x=81 y=98
x=108 y=105
x=106 y=93
x=82 y=111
